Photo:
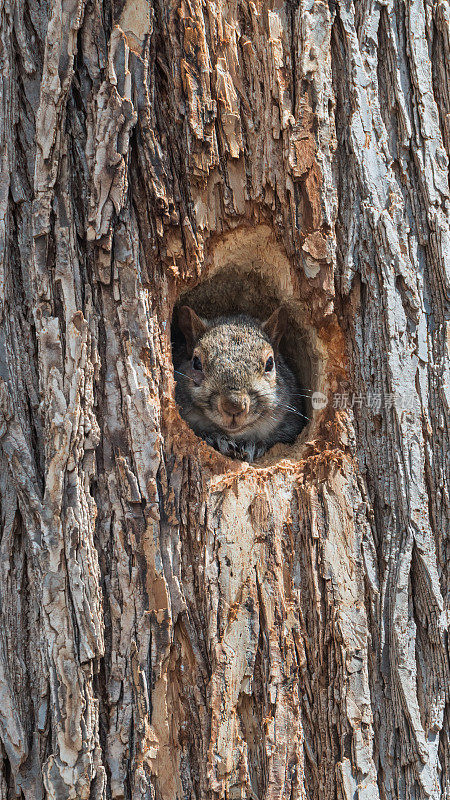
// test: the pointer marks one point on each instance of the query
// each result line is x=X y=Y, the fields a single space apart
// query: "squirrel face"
x=231 y=377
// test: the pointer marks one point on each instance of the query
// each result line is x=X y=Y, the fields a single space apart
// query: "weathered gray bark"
x=174 y=624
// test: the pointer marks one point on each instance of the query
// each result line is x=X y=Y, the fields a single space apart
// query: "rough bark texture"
x=175 y=625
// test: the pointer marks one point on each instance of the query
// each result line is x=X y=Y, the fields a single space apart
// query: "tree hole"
x=256 y=288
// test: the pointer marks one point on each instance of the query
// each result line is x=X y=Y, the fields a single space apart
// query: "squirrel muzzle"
x=234 y=408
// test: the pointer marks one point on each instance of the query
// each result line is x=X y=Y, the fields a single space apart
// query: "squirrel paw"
x=222 y=444
x=260 y=449
x=252 y=450
x=247 y=451
x=244 y=451
x=225 y=446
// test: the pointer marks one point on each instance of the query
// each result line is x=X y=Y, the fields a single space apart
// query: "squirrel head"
x=231 y=376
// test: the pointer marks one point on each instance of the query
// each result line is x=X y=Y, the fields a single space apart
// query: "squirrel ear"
x=275 y=326
x=191 y=325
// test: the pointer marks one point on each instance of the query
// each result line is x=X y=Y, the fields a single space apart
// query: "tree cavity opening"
x=248 y=273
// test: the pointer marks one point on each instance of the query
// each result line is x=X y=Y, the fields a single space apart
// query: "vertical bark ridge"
x=400 y=180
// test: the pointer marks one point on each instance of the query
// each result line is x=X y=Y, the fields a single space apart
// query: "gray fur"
x=233 y=352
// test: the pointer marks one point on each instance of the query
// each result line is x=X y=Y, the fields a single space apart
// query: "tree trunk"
x=176 y=625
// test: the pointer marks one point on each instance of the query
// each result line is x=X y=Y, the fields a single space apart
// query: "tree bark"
x=176 y=625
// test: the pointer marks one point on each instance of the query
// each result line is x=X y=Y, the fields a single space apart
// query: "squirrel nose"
x=234 y=403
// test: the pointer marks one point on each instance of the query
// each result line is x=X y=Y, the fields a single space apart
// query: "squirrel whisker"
x=176 y=372
x=293 y=410
x=299 y=413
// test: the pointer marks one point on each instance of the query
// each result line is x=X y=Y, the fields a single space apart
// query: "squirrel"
x=233 y=387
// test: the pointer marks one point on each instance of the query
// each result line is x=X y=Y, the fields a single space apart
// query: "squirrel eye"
x=269 y=364
x=197 y=364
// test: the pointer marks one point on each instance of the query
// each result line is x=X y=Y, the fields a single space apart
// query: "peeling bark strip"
x=174 y=624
